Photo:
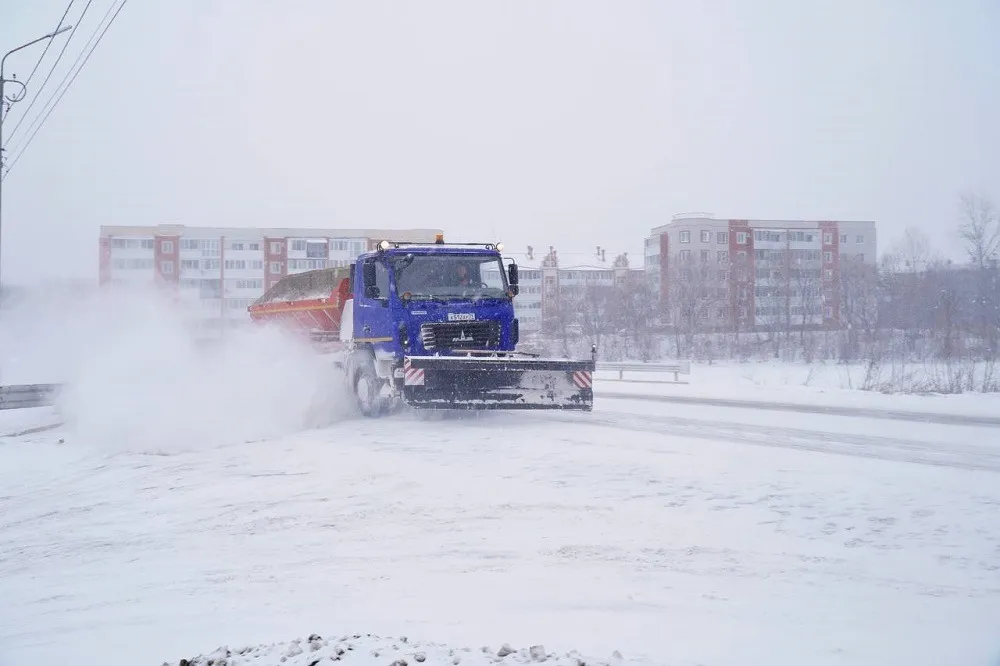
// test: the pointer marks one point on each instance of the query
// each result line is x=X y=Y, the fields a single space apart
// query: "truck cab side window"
x=376 y=271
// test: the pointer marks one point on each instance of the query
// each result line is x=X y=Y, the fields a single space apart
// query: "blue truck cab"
x=434 y=325
x=434 y=299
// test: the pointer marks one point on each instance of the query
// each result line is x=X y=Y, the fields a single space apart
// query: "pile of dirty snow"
x=369 y=650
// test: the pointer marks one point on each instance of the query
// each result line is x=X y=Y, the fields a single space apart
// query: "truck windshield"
x=450 y=276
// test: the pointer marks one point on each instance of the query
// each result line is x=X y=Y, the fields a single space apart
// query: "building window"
x=167 y=267
x=828 y=273
x=316 y=250
x=704 y=256
x=722 y=237
x=685 y=256
x=860 y=239
x=741 y=237
x=828 y=312
x=843 y=239
x=741 y=255
x=706 y=236
x=723 y=256
x=860 y=257
x=827 y=239
x=723 y=276
x=167 y=247
x=256 y=264
x=189 y=264
x=275 y=247
x=828 y=256
x=297 y=246
x=275 y=268
x=685 y=236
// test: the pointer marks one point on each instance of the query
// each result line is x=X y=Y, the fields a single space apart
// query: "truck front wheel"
x=367 y=387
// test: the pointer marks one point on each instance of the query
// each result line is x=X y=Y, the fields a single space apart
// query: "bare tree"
x=596 y=312
x=979 y=228
x=859 y=306
x=695 y=297
x=912 y=252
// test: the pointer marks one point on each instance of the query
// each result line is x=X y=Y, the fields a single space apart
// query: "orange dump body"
x=311 y=303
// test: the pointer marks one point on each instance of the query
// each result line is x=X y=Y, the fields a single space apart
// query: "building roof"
x=569 y=260
x=420 y=235
x=684 y=219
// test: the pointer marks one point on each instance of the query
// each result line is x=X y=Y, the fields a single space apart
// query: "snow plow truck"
x=431 y=326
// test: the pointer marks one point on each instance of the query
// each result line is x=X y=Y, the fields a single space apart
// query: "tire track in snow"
x=863 y=446
x=829 y=410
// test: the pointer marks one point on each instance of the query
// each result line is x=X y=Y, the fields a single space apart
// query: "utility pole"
x=6 y=102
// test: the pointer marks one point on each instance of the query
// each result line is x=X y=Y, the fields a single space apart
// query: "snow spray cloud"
x=138 y=378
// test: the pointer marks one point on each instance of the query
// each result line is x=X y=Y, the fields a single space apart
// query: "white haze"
x=139 y=379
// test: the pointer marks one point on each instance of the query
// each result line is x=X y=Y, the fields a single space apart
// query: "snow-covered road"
x=675 y=534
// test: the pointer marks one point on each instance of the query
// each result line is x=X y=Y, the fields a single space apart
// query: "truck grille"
x=461 y=335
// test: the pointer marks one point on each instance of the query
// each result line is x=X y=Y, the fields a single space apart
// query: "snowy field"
x=817 y=385
x=181 y=509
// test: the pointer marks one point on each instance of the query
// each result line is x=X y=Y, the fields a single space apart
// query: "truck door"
x=372 y=315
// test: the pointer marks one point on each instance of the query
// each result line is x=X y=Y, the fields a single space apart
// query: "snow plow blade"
x=496 y=383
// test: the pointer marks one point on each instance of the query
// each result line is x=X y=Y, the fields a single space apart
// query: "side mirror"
x=368 y=275
x=512 y=278
x=371 y=291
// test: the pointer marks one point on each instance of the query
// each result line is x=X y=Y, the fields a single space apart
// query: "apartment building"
x=219 y=271
x=754 y=274
x=549 y=280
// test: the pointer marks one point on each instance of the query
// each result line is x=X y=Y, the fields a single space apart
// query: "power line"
x=66 y=76
x=49 y=43
x=42 y=57
x=53 y=68
x=68 y=85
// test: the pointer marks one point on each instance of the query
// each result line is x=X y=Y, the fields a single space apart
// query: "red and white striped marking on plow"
x=583 y=379
x=412 y=376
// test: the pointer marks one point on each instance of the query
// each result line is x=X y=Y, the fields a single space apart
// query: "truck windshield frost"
x=449 y=276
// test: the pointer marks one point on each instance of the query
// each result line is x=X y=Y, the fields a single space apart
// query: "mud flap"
x=495 y=383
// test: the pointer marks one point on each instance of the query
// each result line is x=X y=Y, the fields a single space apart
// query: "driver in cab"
x=462 y=277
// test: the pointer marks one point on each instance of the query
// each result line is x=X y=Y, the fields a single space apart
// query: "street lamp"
x=12 y=100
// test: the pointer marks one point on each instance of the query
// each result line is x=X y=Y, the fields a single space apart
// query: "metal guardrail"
x=677 y=368
x=24 y=396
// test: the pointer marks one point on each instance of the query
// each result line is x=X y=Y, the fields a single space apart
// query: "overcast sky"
x=572 y=123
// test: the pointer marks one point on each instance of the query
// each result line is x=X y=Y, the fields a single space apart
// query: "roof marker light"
x=384 y=245
x=499 y=247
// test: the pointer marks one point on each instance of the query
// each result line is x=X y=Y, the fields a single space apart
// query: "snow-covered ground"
x=815 y=384
x=182 y=508
x=672 y=534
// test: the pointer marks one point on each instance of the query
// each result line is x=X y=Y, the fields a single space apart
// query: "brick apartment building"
x=748 y=274
x=219 y=271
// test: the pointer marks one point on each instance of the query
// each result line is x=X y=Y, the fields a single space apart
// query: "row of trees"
x=913 y=304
